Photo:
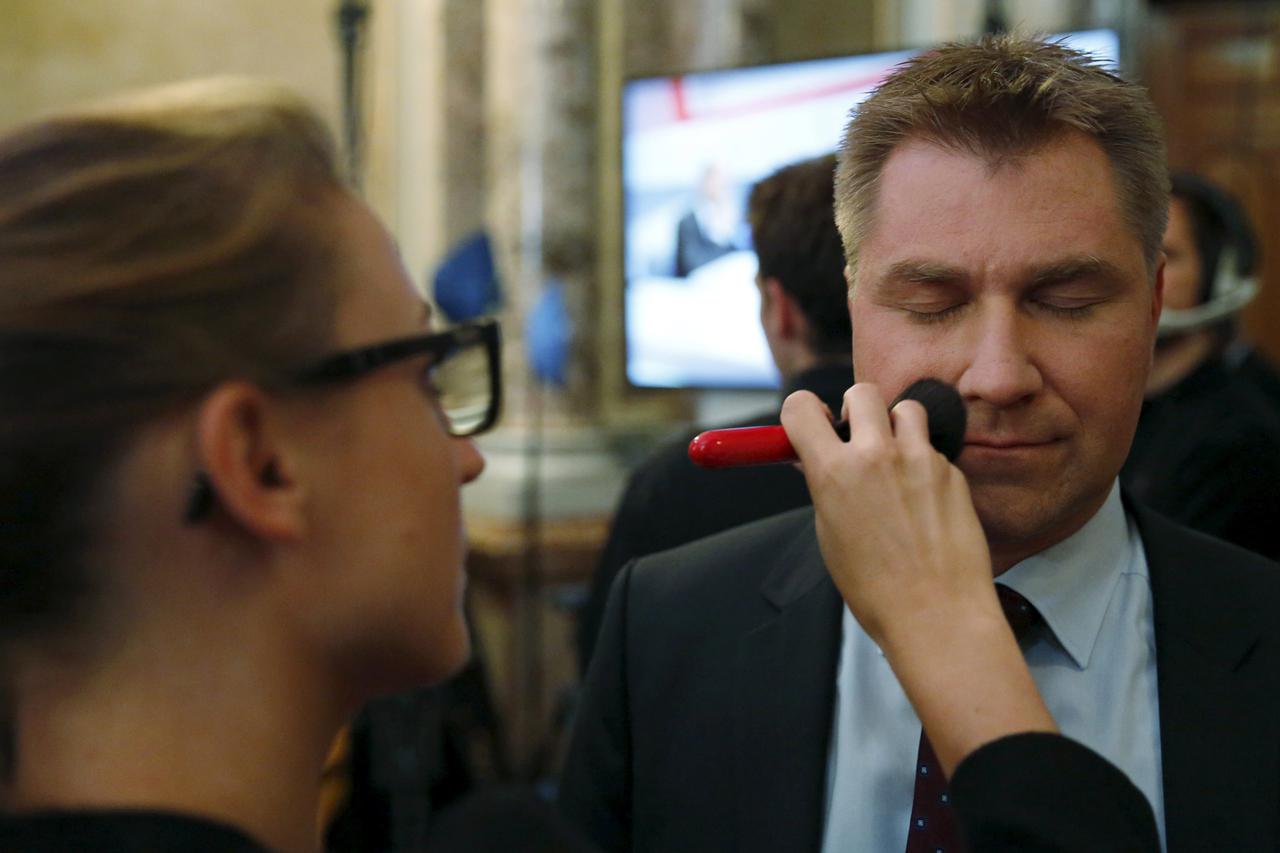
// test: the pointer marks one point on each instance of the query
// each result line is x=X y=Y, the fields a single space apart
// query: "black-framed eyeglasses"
x=465 y=371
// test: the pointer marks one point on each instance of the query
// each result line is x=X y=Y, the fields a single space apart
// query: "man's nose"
x=1001 y=369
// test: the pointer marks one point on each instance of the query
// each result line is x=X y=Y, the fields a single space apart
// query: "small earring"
x=200 y=501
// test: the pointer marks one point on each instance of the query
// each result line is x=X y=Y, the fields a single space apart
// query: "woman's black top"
x=122 y=831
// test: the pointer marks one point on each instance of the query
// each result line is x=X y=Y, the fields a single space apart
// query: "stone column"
x=465 y=134
x=917 y=23
x=541 y=210
x=667 y=36
x=404 y=149
x=538 y=515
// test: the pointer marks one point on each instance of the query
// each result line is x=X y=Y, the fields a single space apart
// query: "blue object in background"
x=548 y=334
x=466 y=283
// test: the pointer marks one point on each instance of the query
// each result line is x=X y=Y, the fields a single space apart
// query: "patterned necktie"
x=933 y=824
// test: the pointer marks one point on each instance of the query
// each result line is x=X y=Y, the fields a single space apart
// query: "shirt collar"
x=1071 y=582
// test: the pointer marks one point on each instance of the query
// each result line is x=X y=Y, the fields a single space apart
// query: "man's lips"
x=1006 y=442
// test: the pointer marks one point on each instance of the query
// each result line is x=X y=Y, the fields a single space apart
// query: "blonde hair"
x=999 y=98
x=150 y=247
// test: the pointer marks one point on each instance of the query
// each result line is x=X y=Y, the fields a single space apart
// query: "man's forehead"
x=937 y=205
x=1067 y=146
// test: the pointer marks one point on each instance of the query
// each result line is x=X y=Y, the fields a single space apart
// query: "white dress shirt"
x=1094 y=662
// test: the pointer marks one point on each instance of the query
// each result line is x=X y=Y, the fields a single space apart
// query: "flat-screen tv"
x=692 y=147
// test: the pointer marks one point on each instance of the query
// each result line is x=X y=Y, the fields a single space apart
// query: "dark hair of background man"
x=796 y=241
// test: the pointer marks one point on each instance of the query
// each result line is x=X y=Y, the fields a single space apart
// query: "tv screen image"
x=692 y=147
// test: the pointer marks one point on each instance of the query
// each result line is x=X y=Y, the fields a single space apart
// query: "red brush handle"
x=766 y=445
x=726 y=448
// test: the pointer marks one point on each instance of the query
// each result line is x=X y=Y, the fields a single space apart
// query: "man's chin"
x=1015 y=517
x=1021 y=520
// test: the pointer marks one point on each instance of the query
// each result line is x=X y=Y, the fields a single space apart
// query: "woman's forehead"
x=379 y=300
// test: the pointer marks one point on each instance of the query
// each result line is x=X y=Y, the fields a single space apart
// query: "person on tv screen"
x=710 y=229
x=827 y=678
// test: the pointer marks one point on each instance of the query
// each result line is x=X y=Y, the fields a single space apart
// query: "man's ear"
x=246 y=456
x=784 y=315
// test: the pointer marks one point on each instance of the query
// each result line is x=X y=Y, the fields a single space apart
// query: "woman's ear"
x=247 y=458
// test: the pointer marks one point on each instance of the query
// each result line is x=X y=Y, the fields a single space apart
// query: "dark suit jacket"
x=1251 y=365
x=120 y=831
x=706 y=716
x=1207 y=454
x=669 y=501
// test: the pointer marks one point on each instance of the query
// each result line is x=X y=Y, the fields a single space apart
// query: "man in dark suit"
x=668 y=501
x=1207 y=450
x=1002 y=207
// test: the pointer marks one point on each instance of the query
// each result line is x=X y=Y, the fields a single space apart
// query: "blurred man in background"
x=668 y=501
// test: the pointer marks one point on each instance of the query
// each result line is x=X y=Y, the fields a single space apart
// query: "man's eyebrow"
x=924 y=272
x=1072 y=269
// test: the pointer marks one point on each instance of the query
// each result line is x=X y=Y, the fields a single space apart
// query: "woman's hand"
x=904 y=546
x=895 y=520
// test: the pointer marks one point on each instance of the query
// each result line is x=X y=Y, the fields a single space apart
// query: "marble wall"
x=59 y=52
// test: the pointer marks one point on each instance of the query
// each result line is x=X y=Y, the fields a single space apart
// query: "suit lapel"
x=1216 y=671
x=784 y=685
